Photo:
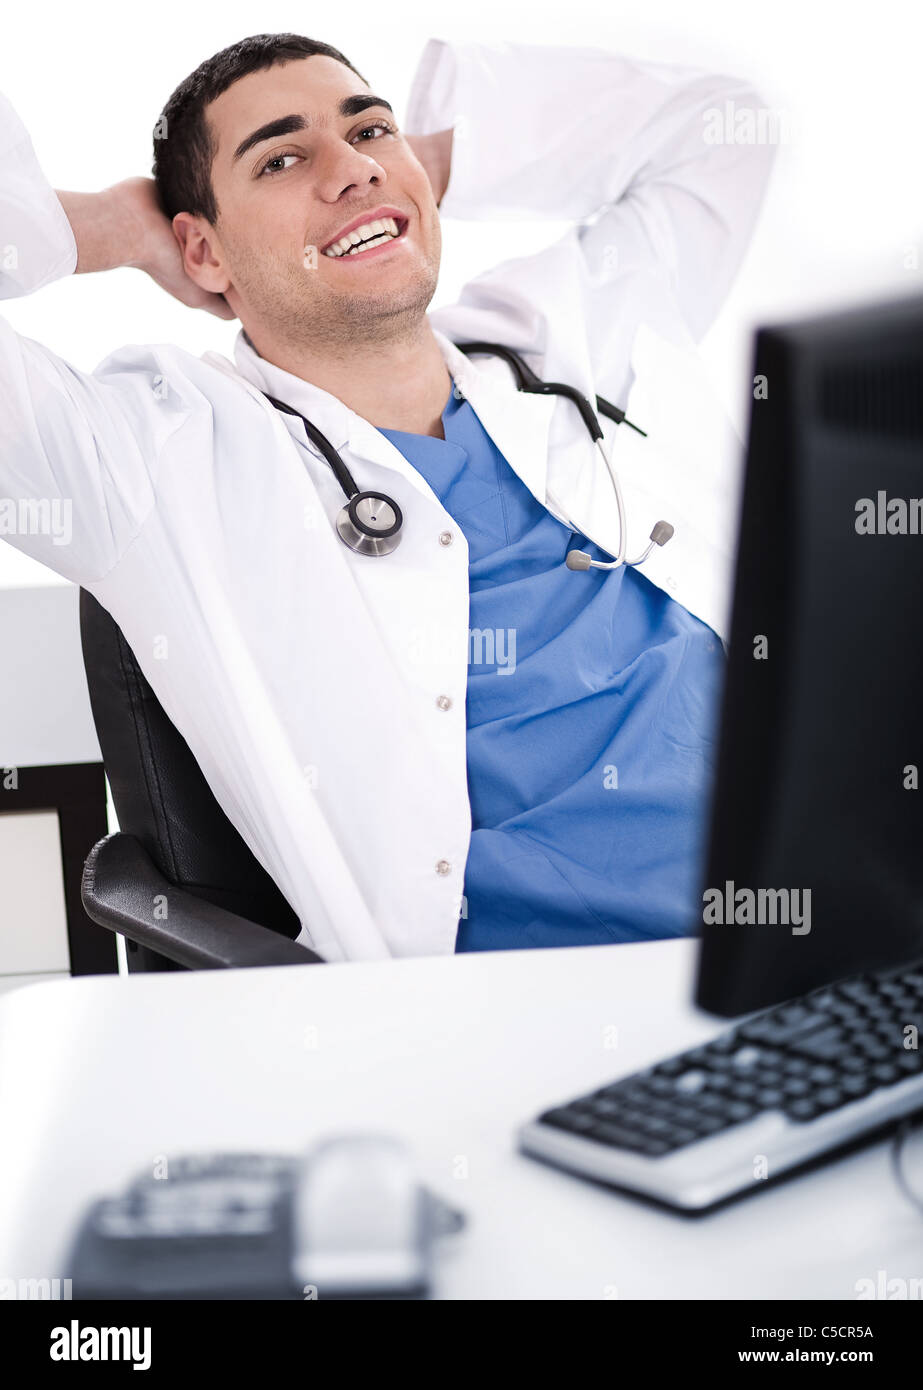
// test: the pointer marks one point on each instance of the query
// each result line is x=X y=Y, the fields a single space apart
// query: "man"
x=463 y=744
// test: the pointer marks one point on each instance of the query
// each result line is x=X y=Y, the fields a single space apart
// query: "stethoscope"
x=371 y=522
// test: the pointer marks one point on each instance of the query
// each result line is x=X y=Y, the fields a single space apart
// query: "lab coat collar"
x=324 y=410
x=517 y=422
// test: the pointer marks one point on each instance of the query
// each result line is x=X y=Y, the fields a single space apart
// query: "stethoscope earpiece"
x=580 y=560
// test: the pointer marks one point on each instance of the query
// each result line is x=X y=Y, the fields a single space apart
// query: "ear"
x=201 y=252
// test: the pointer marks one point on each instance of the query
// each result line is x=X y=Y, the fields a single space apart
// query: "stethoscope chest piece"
x=370 y=524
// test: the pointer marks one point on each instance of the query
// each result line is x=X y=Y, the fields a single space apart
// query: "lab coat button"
x=444 y=701
x=445 y=538
x=443 y=866
x=457 y=394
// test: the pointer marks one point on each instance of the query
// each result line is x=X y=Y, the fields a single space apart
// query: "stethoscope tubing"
x=358 y=526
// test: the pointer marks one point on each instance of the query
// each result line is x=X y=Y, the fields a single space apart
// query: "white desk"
x=100 y=1075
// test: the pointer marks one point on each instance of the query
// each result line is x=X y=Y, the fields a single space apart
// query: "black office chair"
x=177 y=881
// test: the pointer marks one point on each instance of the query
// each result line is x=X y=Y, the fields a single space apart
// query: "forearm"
x=106 y=228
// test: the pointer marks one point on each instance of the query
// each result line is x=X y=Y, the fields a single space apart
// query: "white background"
x=842 y=222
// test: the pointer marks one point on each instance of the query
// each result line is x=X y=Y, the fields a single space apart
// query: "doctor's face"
x=308 y=162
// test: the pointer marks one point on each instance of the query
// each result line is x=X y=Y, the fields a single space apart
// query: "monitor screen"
x=815 y=864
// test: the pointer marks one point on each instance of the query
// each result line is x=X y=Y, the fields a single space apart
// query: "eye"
x=384 y=126
x=276 y=159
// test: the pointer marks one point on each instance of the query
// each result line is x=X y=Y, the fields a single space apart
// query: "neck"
x=400 y=385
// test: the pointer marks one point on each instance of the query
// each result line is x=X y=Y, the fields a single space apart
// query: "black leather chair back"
x=160 y=794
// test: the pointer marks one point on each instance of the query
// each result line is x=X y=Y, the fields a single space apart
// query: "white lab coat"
x=306 y=679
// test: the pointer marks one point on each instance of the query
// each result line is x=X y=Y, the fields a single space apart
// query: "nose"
x=345 y=169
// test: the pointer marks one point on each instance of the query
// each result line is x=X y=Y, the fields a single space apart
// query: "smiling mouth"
x=371 y=234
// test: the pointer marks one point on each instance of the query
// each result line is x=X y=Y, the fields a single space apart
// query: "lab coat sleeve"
x=76 y=451
x=634 y=151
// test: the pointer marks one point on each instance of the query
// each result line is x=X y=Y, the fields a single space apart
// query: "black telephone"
x=349 y=1220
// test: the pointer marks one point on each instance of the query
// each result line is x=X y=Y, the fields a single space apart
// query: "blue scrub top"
x=591 y=719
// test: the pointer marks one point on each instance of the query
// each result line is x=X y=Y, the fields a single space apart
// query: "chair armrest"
x=120 y=889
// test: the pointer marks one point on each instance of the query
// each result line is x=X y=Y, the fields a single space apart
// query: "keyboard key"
x=711 y=1104
x=738 y=1110
x=658 y=1126
x=722 y=1064
x=691 y=1081
x=827 y=1044
x=855 y=1086
x=781 y=1032
x=793 y=1015
x=858 y=990
x=905 y=1002
x=702 y=1124
x=566 y=1118
x=680 y=1137
x=770 y=1077
x=711 y=1124
x=849 y=1019
x=618 y=1137
x=881 y=1021
x=586 y=1103
x=661 y=1085
x=802 y=1110
x=626 y=1091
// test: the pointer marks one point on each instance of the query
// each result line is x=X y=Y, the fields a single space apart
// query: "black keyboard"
x=819 y=1071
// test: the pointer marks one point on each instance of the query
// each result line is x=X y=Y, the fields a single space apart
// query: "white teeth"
x=371 y=233
x=367 y=245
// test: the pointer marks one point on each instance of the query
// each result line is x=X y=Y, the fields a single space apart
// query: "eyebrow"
x=287 y=125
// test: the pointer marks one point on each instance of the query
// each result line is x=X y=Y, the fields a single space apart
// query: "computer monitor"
x=815 y=864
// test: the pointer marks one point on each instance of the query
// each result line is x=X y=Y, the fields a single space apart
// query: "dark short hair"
x=184 y=146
